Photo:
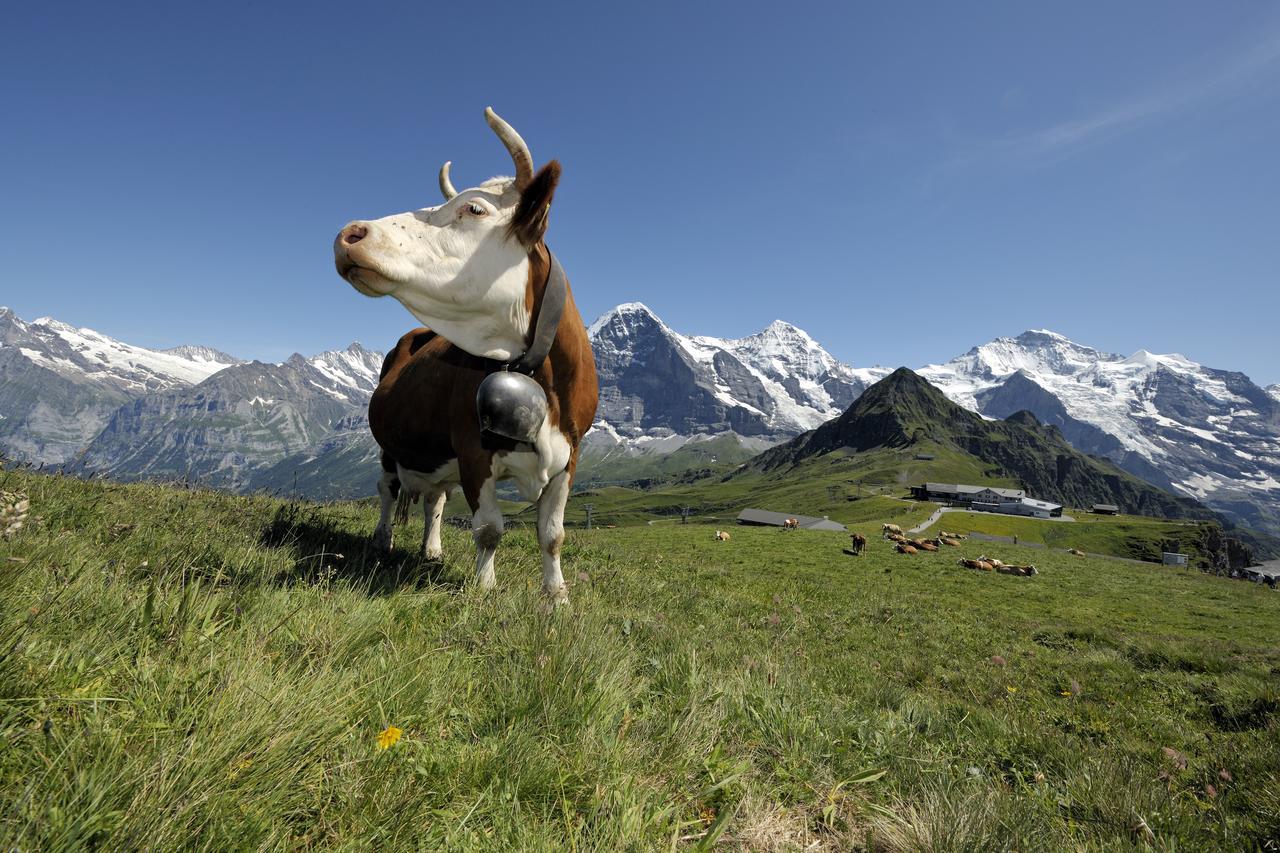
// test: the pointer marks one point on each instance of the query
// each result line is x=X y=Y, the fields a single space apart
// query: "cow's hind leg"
x=433 y=514
x=388 y=491
x=551 y=536
x=486 y=529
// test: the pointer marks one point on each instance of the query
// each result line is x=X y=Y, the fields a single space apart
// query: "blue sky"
x=902 y=180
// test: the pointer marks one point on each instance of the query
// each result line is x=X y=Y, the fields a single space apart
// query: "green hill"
x=903 y=411
x=186 y=669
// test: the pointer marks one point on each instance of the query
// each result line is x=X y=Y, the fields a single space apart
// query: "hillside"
x=904 y=411
x=183 y=668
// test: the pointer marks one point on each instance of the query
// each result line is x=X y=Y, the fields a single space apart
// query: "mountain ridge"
x=1208 y=434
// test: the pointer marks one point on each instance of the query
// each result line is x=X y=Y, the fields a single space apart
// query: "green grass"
x=1128 y=536
x=186 y=669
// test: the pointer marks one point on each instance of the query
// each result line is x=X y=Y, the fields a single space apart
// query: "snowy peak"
x=1274 y=391
x=777 y=382
x=625 y=319
x=84 y=354
x=1206 y=433
x=206 y=354
x=355 y=367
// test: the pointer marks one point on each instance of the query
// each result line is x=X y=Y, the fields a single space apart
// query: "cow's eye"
x=475 y=209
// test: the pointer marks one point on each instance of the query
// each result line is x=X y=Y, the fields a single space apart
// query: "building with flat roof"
x=987 y=499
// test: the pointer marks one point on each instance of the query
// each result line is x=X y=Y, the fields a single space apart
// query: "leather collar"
x=553 y=299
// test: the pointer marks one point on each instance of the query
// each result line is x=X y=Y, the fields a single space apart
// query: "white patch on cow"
x=427 y=483
x=455 y=270
x=486 y=530
x=432 y=517
x=532 y=471
x=551 y=536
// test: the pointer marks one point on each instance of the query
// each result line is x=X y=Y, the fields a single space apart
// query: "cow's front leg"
x=388 y=487
x=551 y=536
x=486 y=530
x=432 y=515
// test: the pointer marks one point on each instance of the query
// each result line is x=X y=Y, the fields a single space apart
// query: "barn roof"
x=776 y=519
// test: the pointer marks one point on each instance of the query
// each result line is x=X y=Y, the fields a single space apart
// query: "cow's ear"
x=529 y=223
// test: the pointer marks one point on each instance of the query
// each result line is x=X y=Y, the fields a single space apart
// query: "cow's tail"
x=402 y=505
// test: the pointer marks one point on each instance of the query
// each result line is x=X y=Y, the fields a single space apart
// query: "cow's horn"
x=515 y=145
x=446 y=185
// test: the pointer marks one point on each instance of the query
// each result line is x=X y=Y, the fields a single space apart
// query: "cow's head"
x=462 y=267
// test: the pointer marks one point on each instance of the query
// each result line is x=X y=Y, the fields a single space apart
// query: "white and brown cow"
x=474 y=270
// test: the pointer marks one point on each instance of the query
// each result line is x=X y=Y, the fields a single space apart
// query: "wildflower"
x=387 y=737
x=1064 y=692
x=1011 y=688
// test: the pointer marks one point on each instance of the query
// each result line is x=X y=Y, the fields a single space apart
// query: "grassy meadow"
x=188 y=669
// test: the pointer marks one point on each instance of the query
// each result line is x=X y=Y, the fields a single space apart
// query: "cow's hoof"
x=554 y=600
x=382 y=540
x=433 y=556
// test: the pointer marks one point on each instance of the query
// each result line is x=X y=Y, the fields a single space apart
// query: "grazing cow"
x=722 y=536
x=477 y=272
x=791 y=524
x=858 y=544
x=1075 y=552
x=904 y=548
x=926 y=546
x=980 y=565
x=949 y=541
x=1018 y=571
x=890 y=528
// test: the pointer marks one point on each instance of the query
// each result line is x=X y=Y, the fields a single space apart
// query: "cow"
x=476 y=271
x=858 y=544
x=791 y=524
x=722 y=536
x=904 y=548
x=890 y=528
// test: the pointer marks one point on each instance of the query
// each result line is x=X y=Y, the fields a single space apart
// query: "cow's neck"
x=497 y=327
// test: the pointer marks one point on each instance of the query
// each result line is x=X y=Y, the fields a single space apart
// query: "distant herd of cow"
x=903 y=545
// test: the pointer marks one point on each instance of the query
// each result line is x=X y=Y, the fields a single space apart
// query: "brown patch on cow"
x=554 y=546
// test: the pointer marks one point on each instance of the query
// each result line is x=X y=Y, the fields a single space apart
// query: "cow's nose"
x=354 y=233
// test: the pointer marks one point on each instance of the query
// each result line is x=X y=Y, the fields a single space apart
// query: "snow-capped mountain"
x=76 y=353
x=1205 y=433
x=59 y=385
x=74 y=394
x=659 y=385
x=70 y=395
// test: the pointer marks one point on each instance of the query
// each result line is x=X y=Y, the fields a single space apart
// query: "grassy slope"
x=182 y=668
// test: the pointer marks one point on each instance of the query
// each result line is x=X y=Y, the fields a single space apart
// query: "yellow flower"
x=1065 y=693
x=1011 y=688
x=388 y=737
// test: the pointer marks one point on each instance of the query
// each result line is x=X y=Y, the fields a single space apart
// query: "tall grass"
x=185 y=669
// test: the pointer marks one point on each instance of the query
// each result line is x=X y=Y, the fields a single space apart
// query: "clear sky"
x=902 y=180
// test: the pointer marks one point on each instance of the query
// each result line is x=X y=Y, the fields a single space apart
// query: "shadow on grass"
x=323 y=549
